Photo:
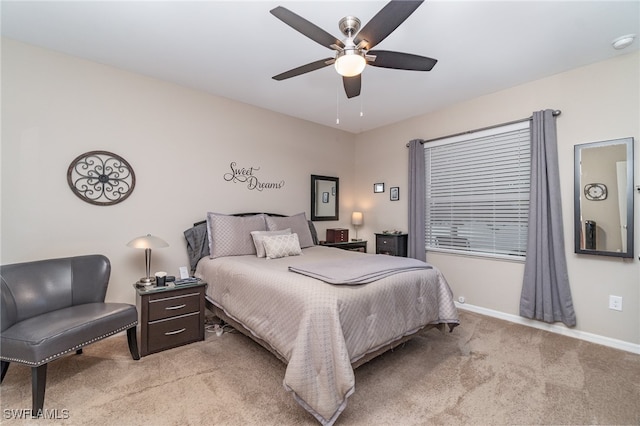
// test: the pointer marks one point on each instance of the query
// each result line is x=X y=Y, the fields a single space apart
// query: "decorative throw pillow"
x=277 y=246
x=297 y=223
x=231 y=235
x=258 y=237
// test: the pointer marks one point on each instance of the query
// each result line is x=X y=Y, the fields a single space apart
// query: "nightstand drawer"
x=173 y=306
x=387 y=243
x=164 y=334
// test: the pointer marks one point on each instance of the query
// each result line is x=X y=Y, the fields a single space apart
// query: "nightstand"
x=170 y=316
x=348 y=245
x=393 y=244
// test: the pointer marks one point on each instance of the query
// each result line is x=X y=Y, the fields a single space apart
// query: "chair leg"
x=133 y=343
x=5 y=367
x=38 y=383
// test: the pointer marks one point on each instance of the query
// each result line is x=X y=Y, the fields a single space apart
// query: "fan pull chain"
x=338 y=104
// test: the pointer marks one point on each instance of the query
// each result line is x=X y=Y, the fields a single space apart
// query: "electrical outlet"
x=615 y=303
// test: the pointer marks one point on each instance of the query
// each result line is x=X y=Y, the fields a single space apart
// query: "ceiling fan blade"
x=352 y=85
x=304 y=69
x=305 y=27
x=401 y=61
x=385 y=22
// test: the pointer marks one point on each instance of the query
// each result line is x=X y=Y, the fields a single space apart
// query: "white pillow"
x=258 y=238
x=298 y=224
x=277 y=246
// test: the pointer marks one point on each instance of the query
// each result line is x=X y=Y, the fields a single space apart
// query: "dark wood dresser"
x=392 y=244
x=337 y=235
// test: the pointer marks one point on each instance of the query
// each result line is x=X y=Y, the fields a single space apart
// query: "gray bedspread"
x=320 y=329
x=360 y=270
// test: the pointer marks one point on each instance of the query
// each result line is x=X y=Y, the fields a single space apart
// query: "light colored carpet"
x=487 y=371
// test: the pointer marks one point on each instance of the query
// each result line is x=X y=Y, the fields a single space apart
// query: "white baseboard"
x=553 y=328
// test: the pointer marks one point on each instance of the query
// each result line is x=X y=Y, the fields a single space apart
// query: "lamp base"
x=147 y=280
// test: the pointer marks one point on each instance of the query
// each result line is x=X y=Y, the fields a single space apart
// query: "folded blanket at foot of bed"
x=359 y=270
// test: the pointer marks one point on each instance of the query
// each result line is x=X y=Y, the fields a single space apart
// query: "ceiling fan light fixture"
x=350 y=62
x=351 y=55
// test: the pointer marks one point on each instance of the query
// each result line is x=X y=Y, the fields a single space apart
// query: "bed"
x=283 y=301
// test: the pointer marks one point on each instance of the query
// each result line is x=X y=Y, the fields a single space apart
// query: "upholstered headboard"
x=198 y=240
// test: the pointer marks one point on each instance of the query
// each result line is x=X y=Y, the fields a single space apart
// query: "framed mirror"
x=324 y=197
x=603 y=198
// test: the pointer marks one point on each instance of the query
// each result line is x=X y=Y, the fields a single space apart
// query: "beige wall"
x=180 y=142
x=598 y=102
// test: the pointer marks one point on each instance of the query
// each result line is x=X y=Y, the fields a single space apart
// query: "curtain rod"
x=556 y=113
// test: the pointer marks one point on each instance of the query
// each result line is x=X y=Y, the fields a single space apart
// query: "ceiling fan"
x=354 y=52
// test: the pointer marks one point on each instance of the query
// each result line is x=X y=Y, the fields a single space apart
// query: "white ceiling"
x=233 y=48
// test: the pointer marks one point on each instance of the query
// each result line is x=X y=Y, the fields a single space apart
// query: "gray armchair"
x=53 y=307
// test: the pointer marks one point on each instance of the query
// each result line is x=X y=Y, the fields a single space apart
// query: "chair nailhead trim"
x=74 y=348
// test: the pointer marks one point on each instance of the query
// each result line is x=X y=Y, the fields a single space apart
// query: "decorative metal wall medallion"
x=101 y=178
x=595 y=191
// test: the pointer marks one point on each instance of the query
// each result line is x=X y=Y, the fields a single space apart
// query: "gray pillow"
x=297 y=223
x=231 y=235
x=314 y=233
x=197 y=244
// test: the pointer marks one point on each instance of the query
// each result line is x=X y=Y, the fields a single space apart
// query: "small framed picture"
x=325 y=197
x=394 y=193
x=378 y=187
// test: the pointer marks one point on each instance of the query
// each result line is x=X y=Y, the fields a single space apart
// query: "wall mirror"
x=603 y=198
x=324 y=197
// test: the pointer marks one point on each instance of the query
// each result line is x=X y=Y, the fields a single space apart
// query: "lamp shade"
x=356 y=218
x=147 y=242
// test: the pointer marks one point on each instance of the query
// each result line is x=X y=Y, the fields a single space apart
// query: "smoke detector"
x=624 y=41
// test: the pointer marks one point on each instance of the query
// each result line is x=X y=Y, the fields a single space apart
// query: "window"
x=478 y=192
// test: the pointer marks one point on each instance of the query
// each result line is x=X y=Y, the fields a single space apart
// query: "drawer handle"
x=173 y=308
x=169 y=333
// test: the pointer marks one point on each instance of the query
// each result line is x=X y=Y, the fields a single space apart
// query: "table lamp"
x=147 y=242
x=356 y=220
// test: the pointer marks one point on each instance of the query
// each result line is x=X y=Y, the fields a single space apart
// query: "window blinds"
x=478 y=192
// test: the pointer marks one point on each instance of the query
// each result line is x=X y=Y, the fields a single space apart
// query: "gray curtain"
x=417 y=199
x=546 y=294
